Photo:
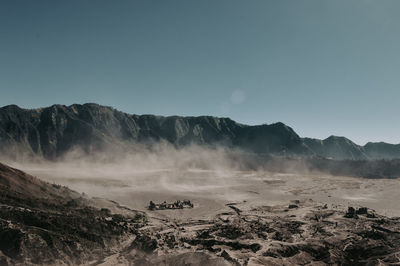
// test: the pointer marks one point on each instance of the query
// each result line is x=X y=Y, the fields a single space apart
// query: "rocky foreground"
x=299 y=233
x=42 y=223
x=46 y=224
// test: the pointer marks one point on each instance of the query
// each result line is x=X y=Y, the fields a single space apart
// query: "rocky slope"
x=51 y=132
x=47 y=224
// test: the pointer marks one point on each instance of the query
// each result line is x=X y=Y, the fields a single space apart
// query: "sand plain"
x=211 y=190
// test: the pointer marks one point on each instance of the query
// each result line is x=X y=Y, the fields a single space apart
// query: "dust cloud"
x=211 y=177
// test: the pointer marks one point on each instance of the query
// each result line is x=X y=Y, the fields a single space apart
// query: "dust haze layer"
x=53 y=131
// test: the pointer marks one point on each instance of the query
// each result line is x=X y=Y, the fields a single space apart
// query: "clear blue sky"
x=322 y=67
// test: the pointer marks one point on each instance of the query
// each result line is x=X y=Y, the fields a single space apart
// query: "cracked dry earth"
x=299 y=233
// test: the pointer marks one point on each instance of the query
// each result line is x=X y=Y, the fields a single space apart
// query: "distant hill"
x=52 y=131
x=382 y=150
x=336 y=148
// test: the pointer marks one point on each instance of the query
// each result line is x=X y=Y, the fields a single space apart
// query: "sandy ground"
x=212 y=190
x=241 y=218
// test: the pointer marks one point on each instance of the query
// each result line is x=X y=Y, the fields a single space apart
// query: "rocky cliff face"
x=50 y=132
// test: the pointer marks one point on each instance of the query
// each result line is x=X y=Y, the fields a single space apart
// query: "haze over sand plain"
x=211 y=190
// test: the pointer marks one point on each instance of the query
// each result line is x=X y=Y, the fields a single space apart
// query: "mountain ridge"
x=51 y=131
